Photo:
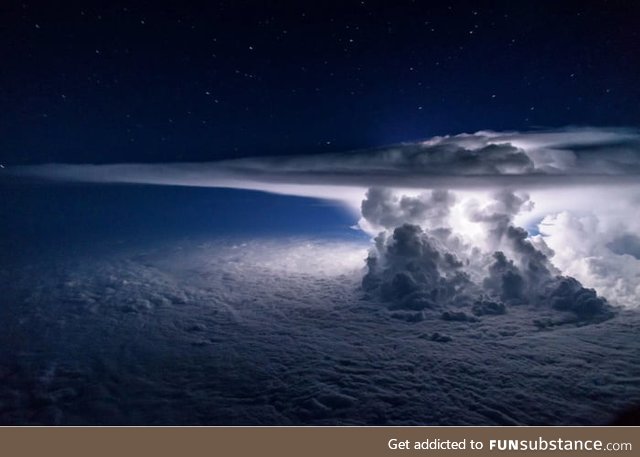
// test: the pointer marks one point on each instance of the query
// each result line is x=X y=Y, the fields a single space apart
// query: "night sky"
x=105 y=82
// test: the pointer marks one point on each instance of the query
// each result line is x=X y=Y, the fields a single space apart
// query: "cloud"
x=267 y=332
x=599 y=250
x=433 y=268
x=382 y=208
x=414 y=271
x=552 y=181
x=626 y=244
x=485 y=159
x=479 y=253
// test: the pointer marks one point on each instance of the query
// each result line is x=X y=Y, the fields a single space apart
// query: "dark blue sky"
x=158 y=81
x=43 y=218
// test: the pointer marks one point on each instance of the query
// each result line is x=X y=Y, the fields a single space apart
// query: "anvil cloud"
x=570 y=156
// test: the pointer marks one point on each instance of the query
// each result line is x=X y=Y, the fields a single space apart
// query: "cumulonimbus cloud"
x=434 y=266
x=583 y=188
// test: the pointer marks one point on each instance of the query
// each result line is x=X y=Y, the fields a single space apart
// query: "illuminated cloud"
x=435 y=267
x=582 y=191
x=565 y=157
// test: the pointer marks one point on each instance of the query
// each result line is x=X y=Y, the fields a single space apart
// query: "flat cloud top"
x=561 y=157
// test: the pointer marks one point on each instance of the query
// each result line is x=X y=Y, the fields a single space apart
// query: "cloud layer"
x=268 y=332
x=571 y=156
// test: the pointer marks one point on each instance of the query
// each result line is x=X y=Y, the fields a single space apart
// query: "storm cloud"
x=431 y=267
x=554 y=202
x=473 y=276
